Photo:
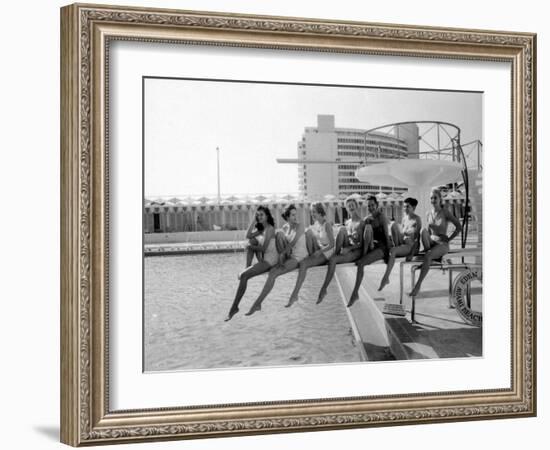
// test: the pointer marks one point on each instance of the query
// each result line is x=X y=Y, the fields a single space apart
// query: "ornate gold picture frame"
x=87 y=32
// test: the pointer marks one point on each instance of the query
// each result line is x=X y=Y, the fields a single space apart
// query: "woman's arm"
x=428 y=224
x=300 y=229
x=268 y=234
x=458 y=227
x=250 y=233
x=418 y=222
x=386 y=224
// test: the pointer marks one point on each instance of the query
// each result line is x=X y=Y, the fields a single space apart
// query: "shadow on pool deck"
x=421 y=341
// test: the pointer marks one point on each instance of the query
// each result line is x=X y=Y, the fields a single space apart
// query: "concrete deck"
x=194 y=248
x=438 y=332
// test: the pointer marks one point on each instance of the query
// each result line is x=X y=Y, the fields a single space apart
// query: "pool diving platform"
x=437 y=331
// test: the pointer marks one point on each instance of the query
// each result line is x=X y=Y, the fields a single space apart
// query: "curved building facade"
x=346 y=148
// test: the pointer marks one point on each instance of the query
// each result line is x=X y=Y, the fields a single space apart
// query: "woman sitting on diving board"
x=320 y=241
x=376 y=243
x=434 y=238
x=296 y=249
x=349 y=244
x=405 y=237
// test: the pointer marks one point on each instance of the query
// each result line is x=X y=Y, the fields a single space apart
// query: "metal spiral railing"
x=450 y=131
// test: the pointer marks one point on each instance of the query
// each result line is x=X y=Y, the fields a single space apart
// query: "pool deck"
x=438 y=331
x=194 y=248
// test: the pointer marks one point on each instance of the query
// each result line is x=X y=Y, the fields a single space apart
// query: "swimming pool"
x=187 y=297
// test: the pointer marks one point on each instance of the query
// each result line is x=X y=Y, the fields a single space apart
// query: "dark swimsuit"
x=379 y=236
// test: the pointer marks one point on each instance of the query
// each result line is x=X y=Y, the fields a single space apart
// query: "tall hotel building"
x=341 y=150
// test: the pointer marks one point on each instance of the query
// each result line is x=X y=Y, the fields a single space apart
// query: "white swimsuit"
x=320 y=232
x=299 y=251
x=271 y=256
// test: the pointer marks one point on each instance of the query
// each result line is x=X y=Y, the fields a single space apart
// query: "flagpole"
x=218 y=161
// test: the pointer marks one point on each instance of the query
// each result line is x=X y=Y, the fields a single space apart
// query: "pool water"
x=187 y=297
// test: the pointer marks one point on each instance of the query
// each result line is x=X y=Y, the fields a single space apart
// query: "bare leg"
x=282 y=247
x=336 y=259
x=435 y=252
x=367 y=259
x=249 y=273
x=414 y=251
x=396 y=234
x=311 y=242
x=425 y=238
x=280 y=241
x=249 y=257
x=304 y=265
x=340 y=240
x=275 y=272
x=368 y=239
x=402 y=250
x=250 y=253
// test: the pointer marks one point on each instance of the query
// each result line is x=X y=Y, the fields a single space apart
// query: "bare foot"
x=255 y=307
x=291 y=301
x=232 y=312
x=383 y=283
x=354 y=297
x=322 y=295
x=413 y=293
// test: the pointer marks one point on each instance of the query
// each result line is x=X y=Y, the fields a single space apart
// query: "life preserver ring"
x=459 y=295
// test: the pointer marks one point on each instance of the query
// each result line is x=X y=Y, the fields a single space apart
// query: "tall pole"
x=218 y=160
x=438 y=143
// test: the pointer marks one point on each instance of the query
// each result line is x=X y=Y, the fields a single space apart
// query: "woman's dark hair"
x=411 y=201
x=319 y=208
x=373 y=198
x=267 y=213
x=288 y=210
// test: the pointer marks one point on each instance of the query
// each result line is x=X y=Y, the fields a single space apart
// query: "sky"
x=255 y=123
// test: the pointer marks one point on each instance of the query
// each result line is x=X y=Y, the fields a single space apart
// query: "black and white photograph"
x=290 y=224
x=242 y=225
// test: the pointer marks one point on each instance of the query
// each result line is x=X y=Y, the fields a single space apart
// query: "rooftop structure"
x=348 y=147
